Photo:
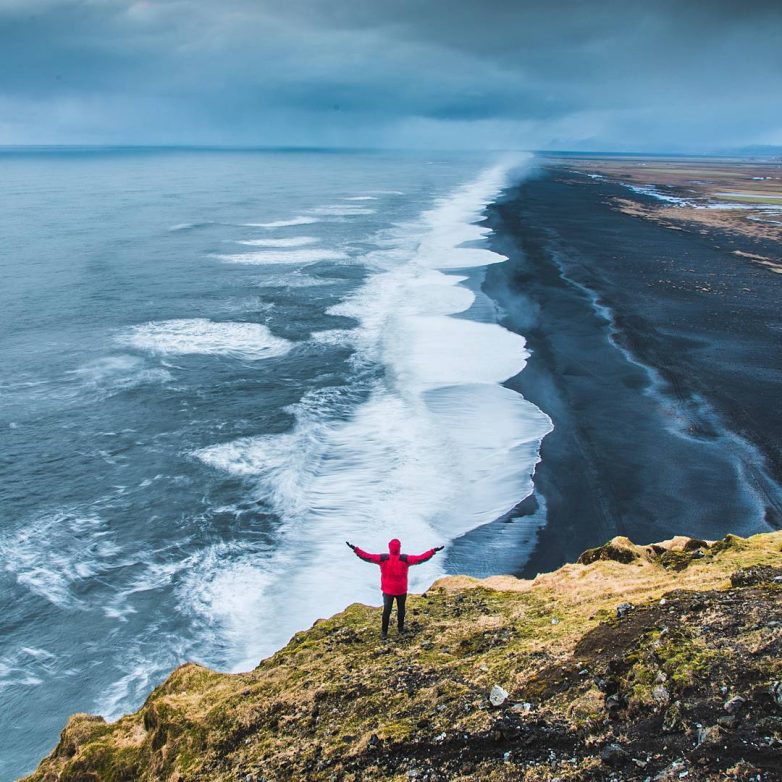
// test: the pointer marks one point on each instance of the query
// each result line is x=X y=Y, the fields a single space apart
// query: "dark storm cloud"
x=625 y=75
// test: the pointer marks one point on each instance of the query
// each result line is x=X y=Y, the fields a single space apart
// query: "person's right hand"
x=350 y=545
x=439 y=548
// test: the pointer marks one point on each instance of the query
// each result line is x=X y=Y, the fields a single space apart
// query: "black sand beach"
x=657 y=354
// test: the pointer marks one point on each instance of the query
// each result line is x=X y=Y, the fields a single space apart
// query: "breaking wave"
x=251 y=341
x=292 y=241
x=263 y=257
x=300 y=220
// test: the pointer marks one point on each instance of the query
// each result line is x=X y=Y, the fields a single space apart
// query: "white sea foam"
x=331 y=336
x=26 y=667
x=144 y=661
x=118 y=372
x=653 y=192
x=342 y=210
x=300 y=220
x=437 y=449
x=92 y=381
x=251 y=341
x=53 y=553
x=292 y=278
x=264 y=257
x=442 y=351
x=360 y=198
x=190 y=226
x=225 y=590
x=291 y=241
x=138 y=679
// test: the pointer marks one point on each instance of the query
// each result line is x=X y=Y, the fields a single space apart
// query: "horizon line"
x=749 y=150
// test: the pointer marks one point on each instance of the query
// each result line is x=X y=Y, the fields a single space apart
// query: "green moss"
x=728 y=543
x=610 y=551
x=109 y=762
x=674 y=659
x=679 y=560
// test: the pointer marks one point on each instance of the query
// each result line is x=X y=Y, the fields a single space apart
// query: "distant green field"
x=753 y=198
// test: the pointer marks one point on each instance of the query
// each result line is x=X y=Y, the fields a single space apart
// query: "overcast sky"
x=676 y=75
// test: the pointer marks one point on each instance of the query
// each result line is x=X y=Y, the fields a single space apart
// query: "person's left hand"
x=350 y=545
x=439 y=548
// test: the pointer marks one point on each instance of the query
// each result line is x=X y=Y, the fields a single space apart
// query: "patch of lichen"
x=672 y=659
x=335 y=698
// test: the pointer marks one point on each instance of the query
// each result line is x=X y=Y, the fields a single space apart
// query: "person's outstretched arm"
x=361 y=554
x=417 y=559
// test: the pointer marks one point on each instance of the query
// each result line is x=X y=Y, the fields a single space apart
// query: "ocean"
x=217 y=367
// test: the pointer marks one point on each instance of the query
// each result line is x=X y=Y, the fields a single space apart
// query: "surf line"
x=437 y=447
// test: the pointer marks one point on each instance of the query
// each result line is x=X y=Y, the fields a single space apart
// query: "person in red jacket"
x=393 y=578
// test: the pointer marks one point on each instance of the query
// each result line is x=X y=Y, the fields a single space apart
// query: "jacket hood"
x=394 y=546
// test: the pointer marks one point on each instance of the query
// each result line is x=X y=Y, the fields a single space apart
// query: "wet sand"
x=656 y=352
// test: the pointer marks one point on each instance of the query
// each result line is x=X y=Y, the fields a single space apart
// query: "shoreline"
x=647 y=386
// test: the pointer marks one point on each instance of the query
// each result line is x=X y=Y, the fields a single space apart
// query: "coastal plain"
x=742 y=196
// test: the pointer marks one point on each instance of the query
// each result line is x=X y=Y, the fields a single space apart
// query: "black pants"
x=388 y=602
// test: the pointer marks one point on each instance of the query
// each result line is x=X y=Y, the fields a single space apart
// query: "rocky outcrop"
x=639 y=663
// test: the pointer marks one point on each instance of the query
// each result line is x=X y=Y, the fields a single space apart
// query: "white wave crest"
x=251 y=341
x=342 y=210
x=292 y=241
x=264 y=257
x=190 y=226
x=300 y=220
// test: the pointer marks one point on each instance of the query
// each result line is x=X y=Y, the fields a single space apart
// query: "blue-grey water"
x=215 y=368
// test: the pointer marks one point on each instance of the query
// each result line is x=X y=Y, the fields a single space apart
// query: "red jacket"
x=394 y=566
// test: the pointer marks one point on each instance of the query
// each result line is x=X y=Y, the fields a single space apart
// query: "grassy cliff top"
x=639 y=662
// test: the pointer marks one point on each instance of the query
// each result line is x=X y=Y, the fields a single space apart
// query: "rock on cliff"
x=656 y=662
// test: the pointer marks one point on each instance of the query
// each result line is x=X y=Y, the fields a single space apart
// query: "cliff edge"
x=658 y=662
